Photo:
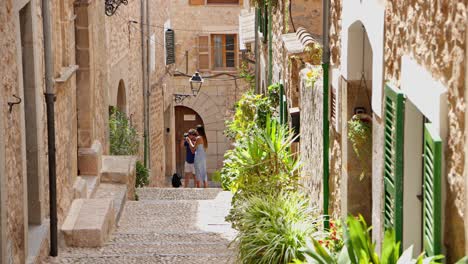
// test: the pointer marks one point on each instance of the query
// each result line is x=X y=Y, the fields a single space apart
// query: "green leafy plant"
x=312 y=76
x=333 y=240
x=274 y=94
x=359 y=248
x=142 y=175
x=359 y=133
x=274 y=227
x=261 y=164
x=123 y=136
x=246 y=74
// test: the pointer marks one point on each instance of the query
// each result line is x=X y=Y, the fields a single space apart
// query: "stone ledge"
x=120 y=169
x=89 y=159
x=89 y=222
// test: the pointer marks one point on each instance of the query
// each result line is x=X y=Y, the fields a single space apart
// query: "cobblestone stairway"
x=166 y=226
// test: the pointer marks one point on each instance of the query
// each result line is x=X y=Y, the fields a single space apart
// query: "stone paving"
x=166 y=226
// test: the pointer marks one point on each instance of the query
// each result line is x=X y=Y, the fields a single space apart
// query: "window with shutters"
x=170 y=46
x=204 y=53
x=432 y=226
x=224 y=52
x=393 y=160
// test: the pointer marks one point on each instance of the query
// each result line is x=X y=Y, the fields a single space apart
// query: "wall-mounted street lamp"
x=179 y=98
x=196 y=83
x=113 y=5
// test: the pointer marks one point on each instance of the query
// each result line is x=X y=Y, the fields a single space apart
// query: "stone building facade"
x=296 y=30
x=377 y=47
x=419 y=49
x=208 y=29
x=97 y=62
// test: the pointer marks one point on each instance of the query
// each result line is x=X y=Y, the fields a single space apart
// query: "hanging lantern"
x=196 y=83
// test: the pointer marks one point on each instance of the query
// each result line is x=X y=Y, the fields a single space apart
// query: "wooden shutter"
x=197 y=2
x=170 y=46
x=432 y=192
x=393 y=160
x=203 y=53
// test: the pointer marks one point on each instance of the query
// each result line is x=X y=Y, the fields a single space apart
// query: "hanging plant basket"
x=360 y=133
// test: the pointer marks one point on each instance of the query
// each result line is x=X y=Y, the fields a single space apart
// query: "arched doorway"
x=121 y=97
x=185 y=119
x=358 y=107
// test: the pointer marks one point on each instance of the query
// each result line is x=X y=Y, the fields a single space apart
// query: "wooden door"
x=186 y=119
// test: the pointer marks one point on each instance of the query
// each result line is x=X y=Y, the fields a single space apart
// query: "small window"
x=224 y=51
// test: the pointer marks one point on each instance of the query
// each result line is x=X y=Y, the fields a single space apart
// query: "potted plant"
x=359 y=133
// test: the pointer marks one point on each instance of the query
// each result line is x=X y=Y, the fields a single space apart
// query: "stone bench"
x=89 y=223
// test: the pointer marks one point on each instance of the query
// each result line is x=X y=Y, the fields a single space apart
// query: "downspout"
x=50 y=98
x=257 y=55
x=326 y=133
x=145 y=86
x=270 y=45
x=148 y=84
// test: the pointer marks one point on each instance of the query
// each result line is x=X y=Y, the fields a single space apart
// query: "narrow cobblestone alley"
x=166 y=226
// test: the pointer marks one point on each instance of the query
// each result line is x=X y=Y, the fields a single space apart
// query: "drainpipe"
x=270 y=45
x=257 y=55
x=144 y=79
x=50 y=98
x=148 y=84
x=326 y=133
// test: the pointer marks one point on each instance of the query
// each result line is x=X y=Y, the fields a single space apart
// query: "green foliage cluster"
x=274 y=228
x=123 y=136
x=251 y=111
x=142 y=175
x=359 y=133
x=259 y=3
x=359 y=249
x=246 y=74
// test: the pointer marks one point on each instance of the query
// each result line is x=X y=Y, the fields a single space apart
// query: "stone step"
x=156 y=247
x=115 y=192
x=92 y=184
x=89 y=222
x=120 y=169
x=150 y=259
x=117 y=169
x=169 y=237
x=178 y=193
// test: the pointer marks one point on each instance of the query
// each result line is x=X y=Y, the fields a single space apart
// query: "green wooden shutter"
x=432 y=191
x=393 y=160
x=283 y=106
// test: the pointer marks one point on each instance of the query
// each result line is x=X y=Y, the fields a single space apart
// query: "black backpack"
x=176 y=182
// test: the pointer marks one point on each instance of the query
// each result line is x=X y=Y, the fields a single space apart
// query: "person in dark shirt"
x=189 y=167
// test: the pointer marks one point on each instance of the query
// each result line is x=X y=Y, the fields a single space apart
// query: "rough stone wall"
x=434 y=33
x=124 y=62
x=12 y=136
x=307 y=14
x=336 y=8
x=311 y=146
x=159 y=78
x=99 y=82
x=215 y=102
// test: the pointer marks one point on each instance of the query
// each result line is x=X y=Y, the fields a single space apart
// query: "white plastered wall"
x=371 y=13
x=424 y=97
